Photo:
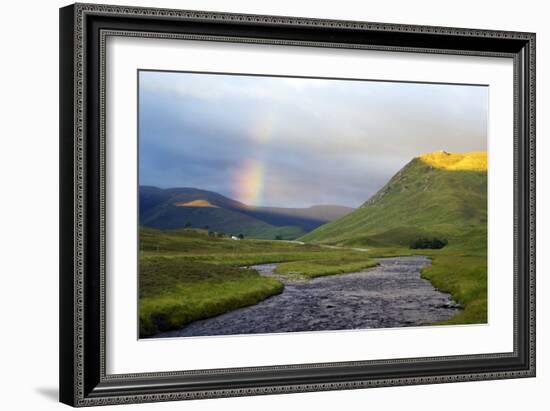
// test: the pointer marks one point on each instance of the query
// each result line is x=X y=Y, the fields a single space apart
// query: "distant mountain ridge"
x=436 y=194
x=179 y=207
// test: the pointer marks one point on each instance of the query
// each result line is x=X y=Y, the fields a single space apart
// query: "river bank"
x=392 y=294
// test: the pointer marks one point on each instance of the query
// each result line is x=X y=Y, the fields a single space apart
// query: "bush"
x=431 y=243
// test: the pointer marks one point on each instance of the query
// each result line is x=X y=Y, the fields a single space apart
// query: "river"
x=390 y=295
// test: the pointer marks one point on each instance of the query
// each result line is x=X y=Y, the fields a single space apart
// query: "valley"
x=200 y=251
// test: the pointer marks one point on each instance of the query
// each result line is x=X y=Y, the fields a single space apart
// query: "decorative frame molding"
x=83 y=32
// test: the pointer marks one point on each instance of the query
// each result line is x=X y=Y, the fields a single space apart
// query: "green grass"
x=194 y=245
x=284 y=232
x=187 y=275
x=174 y=293
x=459 y=270
x=465 y=278
x=198 y=242
x=322 y=267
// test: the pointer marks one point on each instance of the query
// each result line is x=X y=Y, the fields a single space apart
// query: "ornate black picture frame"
x=83 y=30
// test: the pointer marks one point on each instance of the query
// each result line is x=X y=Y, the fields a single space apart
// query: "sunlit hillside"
x=440 y=193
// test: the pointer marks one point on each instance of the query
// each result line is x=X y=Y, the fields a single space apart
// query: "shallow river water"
x=389 y=295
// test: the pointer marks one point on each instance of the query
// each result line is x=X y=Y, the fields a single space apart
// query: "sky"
x=297 y=142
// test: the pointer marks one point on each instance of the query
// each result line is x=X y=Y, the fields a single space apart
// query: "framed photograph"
x=262 y=204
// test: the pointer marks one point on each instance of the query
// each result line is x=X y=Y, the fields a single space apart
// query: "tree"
x=279 y=237
x=431 y=243
x=241 y=236
x=188 y=224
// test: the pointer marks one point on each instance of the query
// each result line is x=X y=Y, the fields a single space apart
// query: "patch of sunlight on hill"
x=475 y=161
x=196 y=203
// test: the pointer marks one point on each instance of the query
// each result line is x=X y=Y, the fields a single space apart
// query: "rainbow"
x=248 y=182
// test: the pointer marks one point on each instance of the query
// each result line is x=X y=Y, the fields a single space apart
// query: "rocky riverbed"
x=390 y=295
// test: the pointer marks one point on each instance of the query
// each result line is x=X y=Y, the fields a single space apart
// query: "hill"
x=180 y=207
x=437 y=194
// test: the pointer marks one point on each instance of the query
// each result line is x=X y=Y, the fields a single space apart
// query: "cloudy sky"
x=296 y=142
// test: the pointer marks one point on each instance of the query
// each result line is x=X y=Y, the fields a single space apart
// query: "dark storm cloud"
x=311 y=141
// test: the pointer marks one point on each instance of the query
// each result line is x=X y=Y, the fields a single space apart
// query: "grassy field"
x=188 y=275
x=465 y=278
x=174 y=293
x=326 y=266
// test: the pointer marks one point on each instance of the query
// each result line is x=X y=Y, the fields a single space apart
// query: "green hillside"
x=190 y=207
x=438 y=194
x=217 y=219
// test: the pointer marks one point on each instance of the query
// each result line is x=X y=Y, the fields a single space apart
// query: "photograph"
x=278 y=204
x=284 y=201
